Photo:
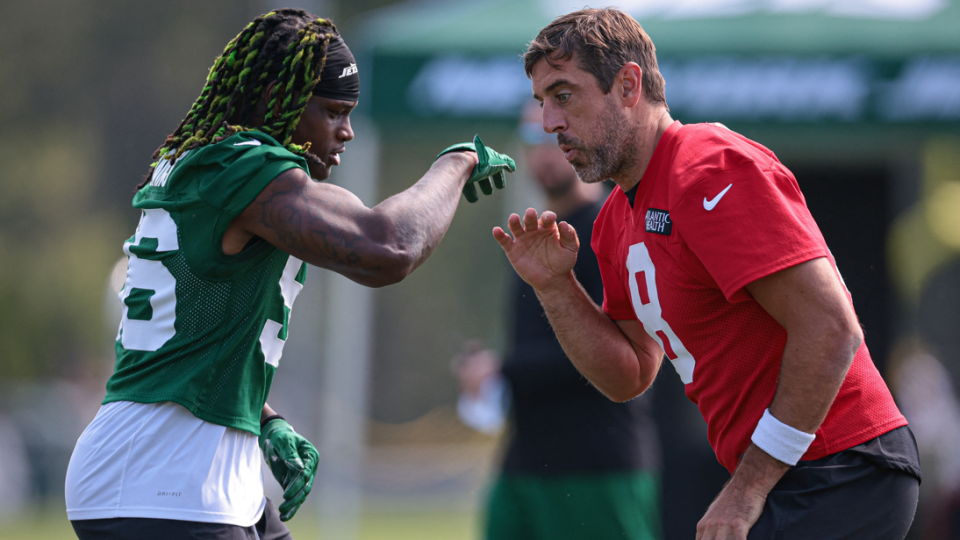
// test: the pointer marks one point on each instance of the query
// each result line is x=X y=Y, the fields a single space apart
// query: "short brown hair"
x=604 y=41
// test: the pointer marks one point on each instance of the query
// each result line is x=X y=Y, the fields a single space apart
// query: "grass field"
x=375 y=525
x=401 y=525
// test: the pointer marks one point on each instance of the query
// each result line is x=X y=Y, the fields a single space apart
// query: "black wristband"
x=269 y=418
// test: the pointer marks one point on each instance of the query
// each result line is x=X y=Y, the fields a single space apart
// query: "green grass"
x=375 y=525
x=400 y=525
x=37 y=524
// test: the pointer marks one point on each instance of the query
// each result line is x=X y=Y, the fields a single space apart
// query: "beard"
x=615 y=151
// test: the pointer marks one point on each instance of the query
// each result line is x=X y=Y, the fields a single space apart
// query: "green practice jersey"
x=201 y=328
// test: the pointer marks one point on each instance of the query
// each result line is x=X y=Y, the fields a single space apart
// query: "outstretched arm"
x=618 y=357
x=329 y=227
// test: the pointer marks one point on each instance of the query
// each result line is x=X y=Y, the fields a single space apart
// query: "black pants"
x=268 y=528
x=842 y=496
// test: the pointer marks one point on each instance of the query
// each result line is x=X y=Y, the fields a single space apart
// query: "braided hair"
x=288 y=46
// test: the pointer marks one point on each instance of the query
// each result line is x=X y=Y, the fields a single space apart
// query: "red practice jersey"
x=714 y=212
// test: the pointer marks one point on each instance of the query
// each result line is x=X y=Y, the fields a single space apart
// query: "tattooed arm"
x=329 y=227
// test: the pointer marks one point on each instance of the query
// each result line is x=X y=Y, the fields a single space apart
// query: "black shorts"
x=268 y=528
x=849 y=495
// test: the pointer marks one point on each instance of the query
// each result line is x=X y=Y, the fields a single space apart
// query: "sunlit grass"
x=417 y=524
x=38 y=524
x=400 y=525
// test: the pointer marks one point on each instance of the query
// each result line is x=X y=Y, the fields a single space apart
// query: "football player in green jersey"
x=232 y=210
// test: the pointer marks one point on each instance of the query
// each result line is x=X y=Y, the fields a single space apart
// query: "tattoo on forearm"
x=330 y=228
x=305 y=233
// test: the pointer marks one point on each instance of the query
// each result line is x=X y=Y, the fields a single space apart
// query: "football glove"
x=491 y=166
x=293 y=462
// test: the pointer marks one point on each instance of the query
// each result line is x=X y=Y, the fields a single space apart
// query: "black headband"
x=340 y=79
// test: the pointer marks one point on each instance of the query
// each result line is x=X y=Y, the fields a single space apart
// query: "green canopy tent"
x=892 y=29
x=840 y=68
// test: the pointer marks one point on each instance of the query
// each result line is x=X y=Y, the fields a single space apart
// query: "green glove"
x=492 y=165
x=293 y=462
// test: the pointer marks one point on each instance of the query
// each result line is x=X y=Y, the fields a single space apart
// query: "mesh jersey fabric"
x=713 y=212
x=201 y=328
x=561 y=423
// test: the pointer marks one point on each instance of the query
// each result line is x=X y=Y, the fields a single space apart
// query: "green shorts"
x=621 y=505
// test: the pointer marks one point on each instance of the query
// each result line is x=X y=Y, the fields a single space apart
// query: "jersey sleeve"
x=244 y=163
x=747 y=223
x=604 y=241
x=215 y=185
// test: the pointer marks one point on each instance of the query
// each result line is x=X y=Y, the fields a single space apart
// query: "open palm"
x=541 y=250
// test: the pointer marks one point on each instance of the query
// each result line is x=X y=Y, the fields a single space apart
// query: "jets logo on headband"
x=349 y=70
x=340 y=78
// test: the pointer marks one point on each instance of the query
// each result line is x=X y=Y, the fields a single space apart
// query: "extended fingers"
x=515 y=227
x=485 y=186
x=568 y=236
x=547 y=219
x=499 y=180
x=530 y=221
x=501 y=237
x=470 y=192
x=515 y=224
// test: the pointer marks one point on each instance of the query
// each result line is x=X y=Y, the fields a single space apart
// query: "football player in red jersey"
x=710 y=257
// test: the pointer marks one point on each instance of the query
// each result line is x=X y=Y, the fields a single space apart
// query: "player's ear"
x=268 y=92
x=259 y=112
x=629 y=79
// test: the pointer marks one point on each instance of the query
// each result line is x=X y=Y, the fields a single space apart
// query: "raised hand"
x=541 y=250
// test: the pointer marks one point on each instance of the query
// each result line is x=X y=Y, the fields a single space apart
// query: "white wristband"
x=783 y=443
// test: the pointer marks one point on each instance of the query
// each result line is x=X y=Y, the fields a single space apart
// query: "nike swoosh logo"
x=251 y=142
x=708 y=205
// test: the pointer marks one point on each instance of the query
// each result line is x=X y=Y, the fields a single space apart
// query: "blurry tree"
x=87 y=91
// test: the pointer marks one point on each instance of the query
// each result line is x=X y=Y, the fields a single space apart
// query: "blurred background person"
x=577 y=465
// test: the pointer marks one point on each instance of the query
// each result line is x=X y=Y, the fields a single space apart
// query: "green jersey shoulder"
x=199 y=327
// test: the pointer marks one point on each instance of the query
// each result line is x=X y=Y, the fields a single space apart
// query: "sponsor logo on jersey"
x=709 y=205
x=658 y=222
x=349 y=70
